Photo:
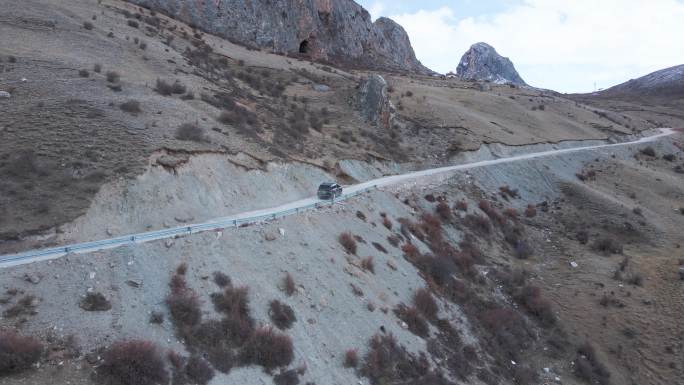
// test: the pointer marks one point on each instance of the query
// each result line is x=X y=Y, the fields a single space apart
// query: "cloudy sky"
x=564 y=45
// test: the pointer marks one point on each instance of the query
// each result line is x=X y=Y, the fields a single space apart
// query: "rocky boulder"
x=483 y=63
x=374 y=101
x=339 y=31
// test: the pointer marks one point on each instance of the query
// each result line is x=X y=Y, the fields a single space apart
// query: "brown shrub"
x=233 y=301
x=268 y=348
x=531 y=298
x=478 y=224
x=95 y=302
x=411 y=252
x=183 y=304
x=84 y=73
x=387 y=223
x=198 y=370
x=508 y=192
x=351 y=358
x=221 y=280
x=112 y=76
x=444 y=211
x=190 y=132
x=97 y=68
x=348 y=242
x=423 y=301
x=461 y=205
x=511 y=214
x=281 y=314
x=648 y=151
x=582 y=237
x=287 y=377
x=17 y=353
x=368 y=264
x=25 y=306
x=88 y=25
x=510 y=334
x=589 y=368
x=182 y=268
x=388 y=363
x=157 y=318
x=165 y=88
x=133 y=23
x=531 y=211
x=132 y=363
x=411 y=316
x=289 y=286
x=607 y=246
x=131 y=106
x=393 y=240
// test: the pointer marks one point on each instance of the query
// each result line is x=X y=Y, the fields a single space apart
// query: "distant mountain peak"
x=482 y=62
x=668 y=82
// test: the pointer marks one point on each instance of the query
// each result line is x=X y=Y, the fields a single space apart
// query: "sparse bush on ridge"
x=88 y=25
x=531 y=211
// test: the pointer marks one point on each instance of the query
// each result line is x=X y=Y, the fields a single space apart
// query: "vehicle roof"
x=328 y=184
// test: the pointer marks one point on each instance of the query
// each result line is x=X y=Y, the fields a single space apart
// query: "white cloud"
x=559 y=44
x=376 y=10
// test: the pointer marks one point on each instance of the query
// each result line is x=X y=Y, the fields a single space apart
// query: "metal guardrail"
x=56 y=252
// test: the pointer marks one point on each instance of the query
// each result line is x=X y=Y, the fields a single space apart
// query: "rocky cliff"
x=340 y=31
x=482 y=62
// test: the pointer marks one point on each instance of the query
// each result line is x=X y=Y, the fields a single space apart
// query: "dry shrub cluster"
x=190 y=132
x=17 y=352
x=413 y=319
x=165 y=88
x=389 y=363
x=132 y=363
x=368 y=264
x=281 y=314
x=348 y=242
x=233 y=340
x=607 y=246
x=532 y=299
x=589 y=368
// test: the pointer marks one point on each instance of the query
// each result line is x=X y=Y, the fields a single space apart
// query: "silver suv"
x=329 y=190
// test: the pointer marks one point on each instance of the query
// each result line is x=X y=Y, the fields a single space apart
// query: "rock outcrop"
x=483 y=63
x=374 y=101
x=339 y=31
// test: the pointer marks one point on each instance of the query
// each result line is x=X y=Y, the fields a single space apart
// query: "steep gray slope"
x=340 y=31
x=482 y=62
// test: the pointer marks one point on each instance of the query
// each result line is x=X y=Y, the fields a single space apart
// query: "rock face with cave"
x=483 y=63
x=340 y=31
